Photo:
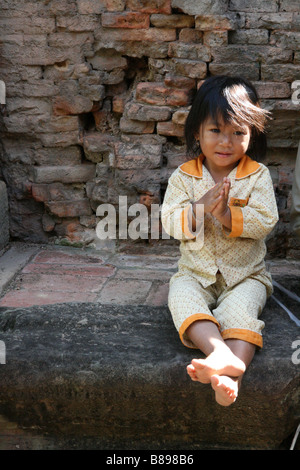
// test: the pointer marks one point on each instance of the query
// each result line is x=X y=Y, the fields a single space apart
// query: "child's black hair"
x=233 y=100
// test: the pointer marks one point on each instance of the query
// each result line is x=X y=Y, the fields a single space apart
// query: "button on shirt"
x=238 y=253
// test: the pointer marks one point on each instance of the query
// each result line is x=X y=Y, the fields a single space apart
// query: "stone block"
x=249 y=36
x=205 y=7
x=286 y=39
x=131 y=126
x=190 y=35
x=4 y=216
x=78 y=23
x=96 y=144
x=150 y=6
x=89 y=7
x=113 y=5
x=189 y=51
x=189 y=68
x=280 y=72
x=254 y=5
x=179 y=82
x=180 y=116
x=140 y=112
x=273 y=21
x=269 y=89
x=126 y=20
x=289 y=5
x=64 y=174
x=108 y=60
x=159 y=94
x=65 y=363
x=215 y=38
x=228 y=21
x=138 y=156
x=251 y=53
x=69 y=208
x=249 y=71
x=71 y=105
x=170 y=129
x=136 y=48
x=109 y=36
x=172 y=21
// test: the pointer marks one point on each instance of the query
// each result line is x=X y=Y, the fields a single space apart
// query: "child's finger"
x=217 y=187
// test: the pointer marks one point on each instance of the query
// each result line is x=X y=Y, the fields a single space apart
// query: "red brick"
x=170 y=129
x=189 y=35
x=150 y=6
x=69 y=228
x=158 y=295
x=118 y=104
x=48 y=223
x=104 y=271
x=125 y=291
x=70 y=208
x=40 y=192
x=61 y=283
x=159 y=94
x=130 y=20
x=180 y=82
x=59 y=257
x=72 y=105
x=27 y=298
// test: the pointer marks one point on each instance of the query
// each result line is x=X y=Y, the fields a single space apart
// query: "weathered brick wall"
x=98 y=92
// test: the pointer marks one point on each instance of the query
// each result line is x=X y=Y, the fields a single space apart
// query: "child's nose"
x=226 y=139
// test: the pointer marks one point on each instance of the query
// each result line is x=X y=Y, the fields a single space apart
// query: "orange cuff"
x=185 y=223
x=244 y=335
x=189 y=321
x=236 y=221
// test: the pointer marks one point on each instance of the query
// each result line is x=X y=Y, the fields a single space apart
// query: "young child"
x=222 y=284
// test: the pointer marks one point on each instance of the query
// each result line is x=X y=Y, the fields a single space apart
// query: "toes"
x=225 y=392
x=191 y=371
x=198 y=363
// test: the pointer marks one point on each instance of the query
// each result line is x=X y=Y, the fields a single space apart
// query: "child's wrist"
x=225 y=218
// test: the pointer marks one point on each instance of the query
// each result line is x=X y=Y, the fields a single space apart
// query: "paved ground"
x=40 y=275
x=136 y=275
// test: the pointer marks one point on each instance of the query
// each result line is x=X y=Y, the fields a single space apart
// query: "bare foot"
x=220 y=362
x=226 y=389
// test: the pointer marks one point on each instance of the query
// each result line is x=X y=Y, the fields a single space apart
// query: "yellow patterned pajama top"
x=221 y=273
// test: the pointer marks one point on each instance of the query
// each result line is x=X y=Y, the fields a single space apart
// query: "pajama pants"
x=235 y=310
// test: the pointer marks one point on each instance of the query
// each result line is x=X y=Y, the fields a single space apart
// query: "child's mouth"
x=223 y=155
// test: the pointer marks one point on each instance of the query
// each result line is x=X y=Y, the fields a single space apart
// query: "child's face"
x=223 y=144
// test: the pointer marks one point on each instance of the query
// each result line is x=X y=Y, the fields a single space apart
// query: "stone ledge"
x=113 y=377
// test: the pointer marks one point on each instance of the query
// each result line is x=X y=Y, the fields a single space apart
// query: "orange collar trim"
x=246 y=167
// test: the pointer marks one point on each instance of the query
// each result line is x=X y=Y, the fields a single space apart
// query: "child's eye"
x=215 y=130
x=239 y=133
